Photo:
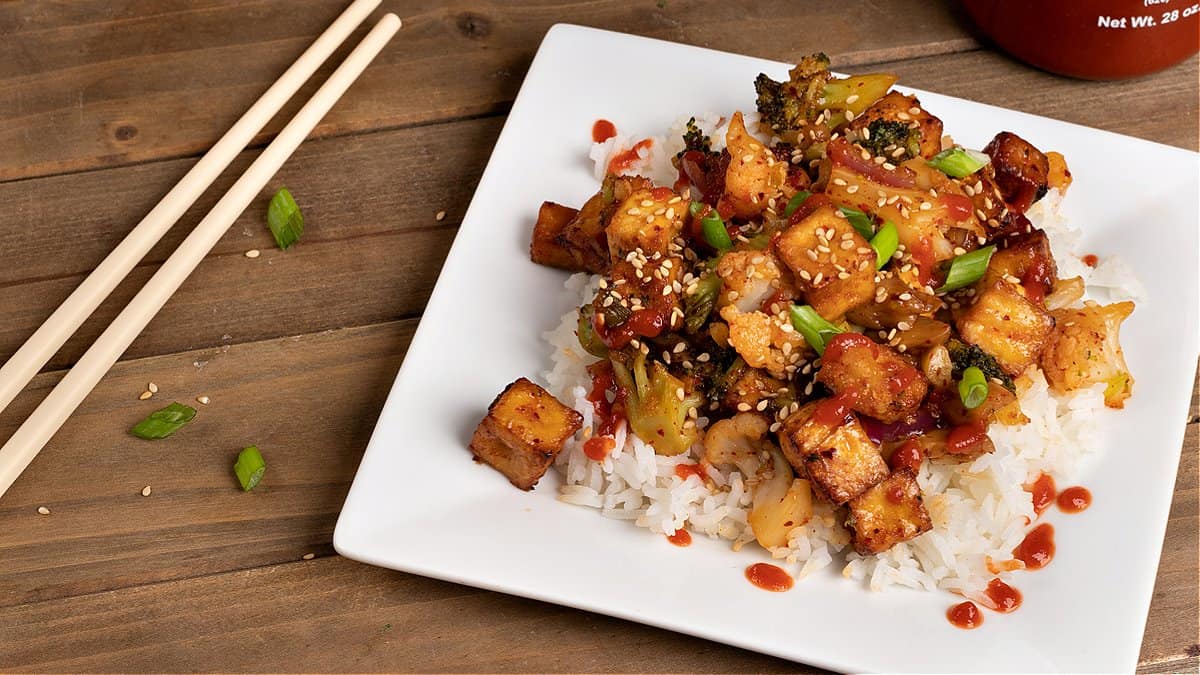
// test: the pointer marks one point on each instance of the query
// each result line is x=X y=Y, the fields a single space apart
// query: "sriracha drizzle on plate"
x=1074 y=499
x=769 y=577
x=680 y=538
x=965 y=615
x=1037 y=549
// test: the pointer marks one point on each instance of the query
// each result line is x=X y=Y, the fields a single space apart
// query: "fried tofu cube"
x=1022 y=171
x=834 y=265
x=646 y=222
x=1027 y=257
x=524 y=429
x=754 y=177
x=884 y=385
x=1085 y=348
x=547 y=246
x=839 y=459
x=1007 y=325
x=888 y=513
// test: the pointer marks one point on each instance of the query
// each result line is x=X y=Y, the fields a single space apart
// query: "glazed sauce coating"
x=1074 y=499
x=680 y=538
x=964 y=437
x=965 y=615
x=1037 y=549
x=907 y=456
x=769 y=577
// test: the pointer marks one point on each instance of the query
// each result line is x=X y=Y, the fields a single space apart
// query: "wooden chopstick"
x=65 y=320
x=46 y=419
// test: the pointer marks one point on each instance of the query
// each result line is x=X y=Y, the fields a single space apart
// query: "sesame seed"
x=839 y=181
x=903 y=325
x=253 y=253
x=634 y=211
x=202 y=400
x=440 y=216
x=308 y=556
x=848 y=244
x=926 y=206
x=675 y=200
x=647 y=202
x=851 y=189
x=743 y=407
x=670 y=213
x=849 y=115
x=762 y=405
x=679 y=347
x=43 y=510
x=145 y=395
x=808 y=389
x=817 y=279
x=703 y=358
x=152 y=388
x=146 y=491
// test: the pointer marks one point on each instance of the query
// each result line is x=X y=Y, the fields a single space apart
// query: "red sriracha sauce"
x=603 y=130
x=907 y=456
x=680 y=538
x=832 y=412
x=1074 y=499
x=958 y=207
x=965 y=615
x=623 y=161
x=685 y=470
x=1090 y=260
x=1042 y=490
x=769 y=577
x=609 y=413
x=1037 y=549
x=598 y=447
x=1003 y=598
x=964 y=437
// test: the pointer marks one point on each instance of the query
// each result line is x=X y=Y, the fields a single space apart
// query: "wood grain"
x=97 y=84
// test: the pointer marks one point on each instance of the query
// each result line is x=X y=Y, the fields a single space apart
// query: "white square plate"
x=419 y=504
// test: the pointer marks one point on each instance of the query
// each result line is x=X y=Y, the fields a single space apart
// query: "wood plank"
x=1133 y=107
x=95 y=84
x=334 y=615
x=102 y=533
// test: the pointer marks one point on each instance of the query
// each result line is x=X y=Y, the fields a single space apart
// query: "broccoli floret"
x=694 y=139
x=884 y=136
x=964 y=355
x=785 y=105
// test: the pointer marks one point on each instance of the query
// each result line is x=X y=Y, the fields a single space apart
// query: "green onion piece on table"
x=816 y=330
x=249 y=467
x=284 y=219
x=860 y=221
x=959 y=162
x=885 y=242
x=795 y=202
x=164 y=422
x=967 y=268
x=714 y=231
x=972 y=388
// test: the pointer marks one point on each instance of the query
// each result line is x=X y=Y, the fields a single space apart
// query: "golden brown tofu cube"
x=888 y=513
x=834 y=265
x=839 y=459
x=1022 y=171
x=647 y=221
x=1026 y=258
x=1085 y=348
x=1005 y=324
x=906 y=110
x=524 y=429
x=547 y=247
x=885 y=386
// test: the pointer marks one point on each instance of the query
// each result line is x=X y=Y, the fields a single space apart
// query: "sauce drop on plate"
x=680 y=538
x=1074 y=499
x=769 y=577
x=1004 y=598
x=603 y=130
x=1043 y=491
x=1037 y=549
x=1090 y=260
x=965 y=615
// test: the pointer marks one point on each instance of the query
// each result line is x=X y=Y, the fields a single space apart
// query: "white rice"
x=980 y=509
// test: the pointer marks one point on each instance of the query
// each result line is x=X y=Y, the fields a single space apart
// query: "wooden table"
x=104 y=105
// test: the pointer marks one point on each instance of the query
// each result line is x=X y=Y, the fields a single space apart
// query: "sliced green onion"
x=284 y=219
x=795 y=202
x=860 y=221
x=164 y=422
x=249 y=467
x=816 y=330
x=967 y=268
x=885 y=242
x=714 y=231
x=972 y=388
x=959 y=162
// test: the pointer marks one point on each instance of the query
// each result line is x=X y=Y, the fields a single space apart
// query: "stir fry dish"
x=835 y=298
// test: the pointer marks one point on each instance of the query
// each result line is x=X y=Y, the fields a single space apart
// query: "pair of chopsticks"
x=46 y=419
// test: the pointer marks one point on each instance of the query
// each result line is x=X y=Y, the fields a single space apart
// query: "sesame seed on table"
x=105 y=105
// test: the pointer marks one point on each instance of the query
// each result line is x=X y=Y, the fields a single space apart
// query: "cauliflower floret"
x=765 y=341
x=1085 y=348
x=754 y=177
x=750 y=278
